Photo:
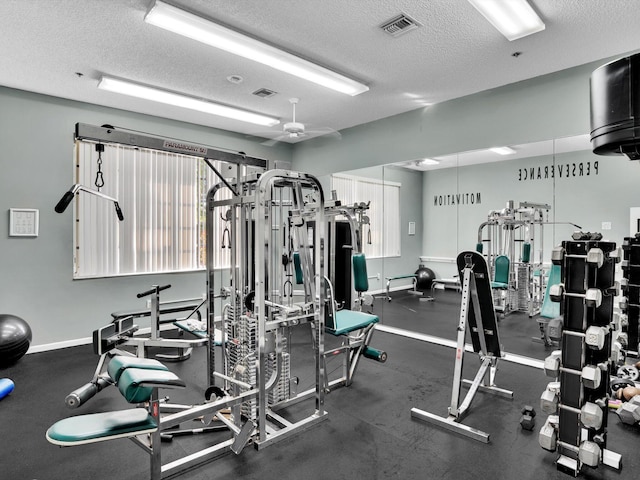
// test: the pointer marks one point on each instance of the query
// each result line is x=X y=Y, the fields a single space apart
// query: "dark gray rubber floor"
x=369 y=433
x=518 y=333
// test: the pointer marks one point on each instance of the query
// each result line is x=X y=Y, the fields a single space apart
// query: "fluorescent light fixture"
x=503 y=150
x=189 y=25
x=513 y=18
x=429 y=161
x=154 y=94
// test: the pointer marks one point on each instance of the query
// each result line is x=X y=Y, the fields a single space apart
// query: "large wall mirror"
x=552 y=188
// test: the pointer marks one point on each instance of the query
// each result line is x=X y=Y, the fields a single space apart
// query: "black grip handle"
x=64 y=201
x=85 y=392
x=153 y=290
x=119 y=211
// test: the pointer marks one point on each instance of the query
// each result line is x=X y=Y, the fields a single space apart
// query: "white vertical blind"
x=162 y=196
x=384 y=211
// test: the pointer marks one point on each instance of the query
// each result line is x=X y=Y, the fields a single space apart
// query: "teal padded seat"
x=98 y=427
x=501 y=277
x=347 y=321
x=136 y=385
x=120 y=363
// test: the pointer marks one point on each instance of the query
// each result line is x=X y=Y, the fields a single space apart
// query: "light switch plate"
x=23 y=222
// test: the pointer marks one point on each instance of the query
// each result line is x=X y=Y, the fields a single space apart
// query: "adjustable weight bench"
x=138 y=380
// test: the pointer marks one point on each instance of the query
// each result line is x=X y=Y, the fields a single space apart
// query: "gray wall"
x=587 y=200
x=539 y=109
x=37 y=151
x=36 y=155
x=546 y=107
x=411 y=210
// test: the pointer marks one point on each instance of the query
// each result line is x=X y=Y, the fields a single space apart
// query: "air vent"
x=400 y=25
x=264 y=93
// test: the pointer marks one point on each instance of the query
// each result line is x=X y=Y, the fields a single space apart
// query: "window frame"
x=389 y=221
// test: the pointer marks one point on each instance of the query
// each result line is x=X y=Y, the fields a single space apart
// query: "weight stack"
x=522 y=275
x=587 y=273
x=630 y=286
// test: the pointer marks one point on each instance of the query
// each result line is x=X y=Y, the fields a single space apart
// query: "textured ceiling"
x=456 y=52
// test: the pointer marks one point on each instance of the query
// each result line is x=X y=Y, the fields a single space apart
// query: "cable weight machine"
x=260 y=311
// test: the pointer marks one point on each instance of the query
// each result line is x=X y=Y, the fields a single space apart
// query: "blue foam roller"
x=6 y=387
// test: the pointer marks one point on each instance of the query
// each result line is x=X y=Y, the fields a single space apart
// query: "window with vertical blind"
x=384 y=211
x=163 y=199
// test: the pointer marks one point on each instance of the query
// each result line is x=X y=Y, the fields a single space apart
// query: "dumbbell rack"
x=577 y=429
x=630 y=284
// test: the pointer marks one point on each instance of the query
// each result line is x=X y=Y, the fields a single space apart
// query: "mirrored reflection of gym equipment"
x=512 y=240
x=478 y=317
x=348 y=285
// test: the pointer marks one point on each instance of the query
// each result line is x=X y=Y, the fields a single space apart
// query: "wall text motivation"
x=457 y=199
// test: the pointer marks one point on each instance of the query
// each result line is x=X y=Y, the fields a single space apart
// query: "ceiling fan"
x=294 y=131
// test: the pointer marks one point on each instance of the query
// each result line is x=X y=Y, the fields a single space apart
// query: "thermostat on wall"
x=23 y=222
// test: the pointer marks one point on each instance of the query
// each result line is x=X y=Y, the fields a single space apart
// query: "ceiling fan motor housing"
x=294 y=128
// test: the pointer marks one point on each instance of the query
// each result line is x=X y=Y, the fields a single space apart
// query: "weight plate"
x=628 y=372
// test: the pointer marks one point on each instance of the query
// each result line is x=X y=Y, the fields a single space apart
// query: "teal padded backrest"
x=297 y=267
x=479 y=247
x=526 y=252
x=120 y=363
x=130 y=388
x=136 y=384
x=360 y=278
x=502 y=269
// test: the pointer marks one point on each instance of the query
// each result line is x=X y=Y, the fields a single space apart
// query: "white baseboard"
x=383 y=291
x=47 y=347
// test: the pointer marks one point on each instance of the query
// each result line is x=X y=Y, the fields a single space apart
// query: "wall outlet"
x=606 y=225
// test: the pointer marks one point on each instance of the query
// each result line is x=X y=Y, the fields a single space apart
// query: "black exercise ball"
x=15 y=338
x=424 y=279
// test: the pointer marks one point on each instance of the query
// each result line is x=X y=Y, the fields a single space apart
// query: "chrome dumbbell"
x=550 y=398
x=591 y=414
x=552 y=364
x=590 y=453
x=554 y=329
x=629 y=412
x=557 y=255
x=592 y=297
x=595 y=337
x=548 y=436
x=591 y=376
